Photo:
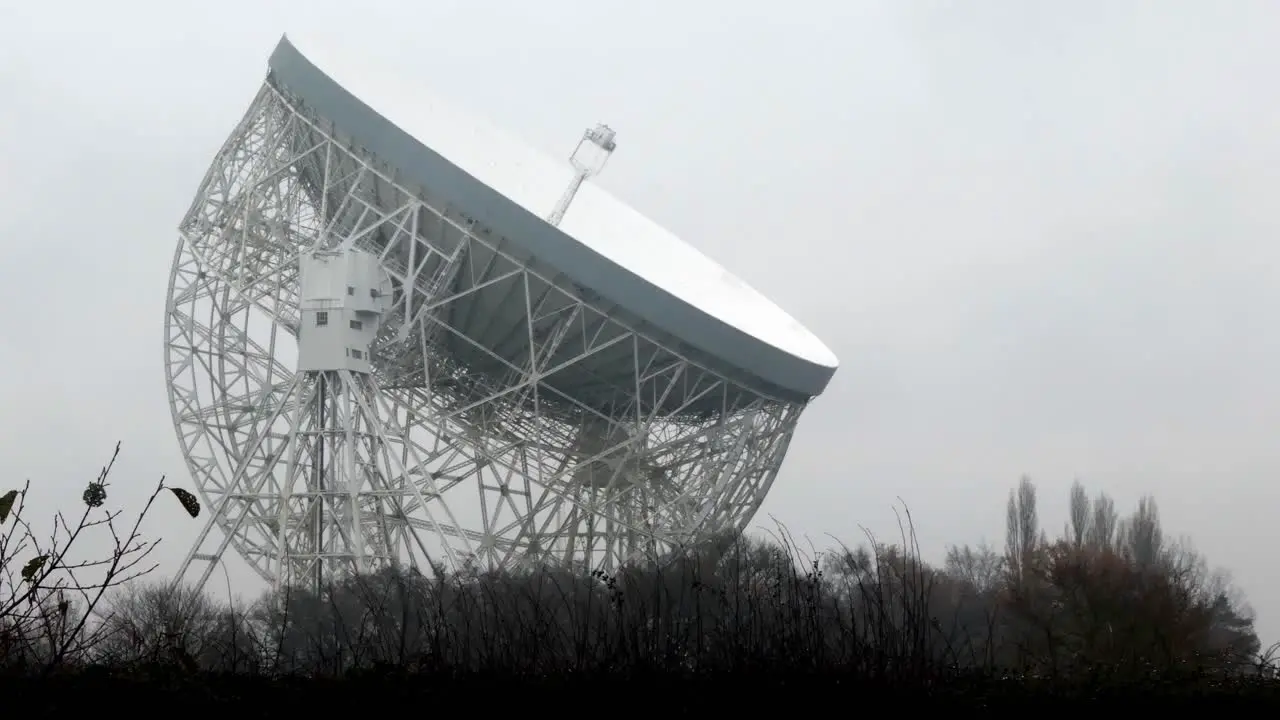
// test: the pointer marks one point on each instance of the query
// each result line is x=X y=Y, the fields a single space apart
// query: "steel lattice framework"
x=510 y=417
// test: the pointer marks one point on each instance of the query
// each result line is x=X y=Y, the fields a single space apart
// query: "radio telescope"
x=394 y=336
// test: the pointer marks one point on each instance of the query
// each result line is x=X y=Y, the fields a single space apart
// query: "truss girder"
x=510 y=418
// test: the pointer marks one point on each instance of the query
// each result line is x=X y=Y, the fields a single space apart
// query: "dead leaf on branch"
x=189 y=502
x=33 y=566
x=95 y=495
x=6 y=504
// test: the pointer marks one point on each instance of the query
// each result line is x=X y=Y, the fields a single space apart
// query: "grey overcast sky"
x=1039 y=235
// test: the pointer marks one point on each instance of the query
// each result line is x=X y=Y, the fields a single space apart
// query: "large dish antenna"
x=388 y=343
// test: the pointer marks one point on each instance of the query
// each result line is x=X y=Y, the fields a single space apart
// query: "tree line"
x=1109 y=593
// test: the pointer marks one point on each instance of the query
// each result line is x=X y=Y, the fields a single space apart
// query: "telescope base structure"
x=498 y=417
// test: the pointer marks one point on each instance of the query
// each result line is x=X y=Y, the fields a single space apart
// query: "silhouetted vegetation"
x=1108 y=603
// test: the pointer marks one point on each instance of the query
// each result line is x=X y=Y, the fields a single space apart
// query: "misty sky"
x=1035 y=233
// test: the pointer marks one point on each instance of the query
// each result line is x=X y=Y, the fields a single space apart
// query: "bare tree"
x=157 y=623
x=980 y=567
x=1081 y=519
x=47 y=603
x=1140 y=535
x=1022 y=530
x=1102 y=530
